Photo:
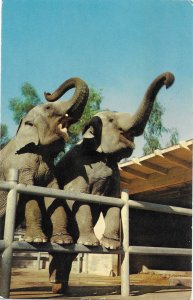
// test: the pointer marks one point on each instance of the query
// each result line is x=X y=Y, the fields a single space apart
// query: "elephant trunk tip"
x=169 y=79
x=46 y=94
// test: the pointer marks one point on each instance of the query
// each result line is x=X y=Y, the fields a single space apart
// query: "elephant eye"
x=29 y=123
x=48 y=107
x=111 y=120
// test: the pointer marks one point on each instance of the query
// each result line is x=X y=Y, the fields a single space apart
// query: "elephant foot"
x=110 y=243
x=88 y=240
x=59 y=288
x=35 y=237
x=61 y=238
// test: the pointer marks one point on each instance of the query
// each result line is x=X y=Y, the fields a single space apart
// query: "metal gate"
x=7 y=246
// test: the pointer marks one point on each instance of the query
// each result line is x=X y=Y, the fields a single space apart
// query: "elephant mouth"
x=63 y=125
x=127 y=139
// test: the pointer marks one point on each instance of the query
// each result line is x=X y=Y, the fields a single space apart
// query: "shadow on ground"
x=142 y=290
x=85 y=291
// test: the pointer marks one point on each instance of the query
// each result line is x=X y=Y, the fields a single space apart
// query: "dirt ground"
x=34 y=284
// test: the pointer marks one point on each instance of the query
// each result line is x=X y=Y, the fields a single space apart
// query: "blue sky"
x=118 y=46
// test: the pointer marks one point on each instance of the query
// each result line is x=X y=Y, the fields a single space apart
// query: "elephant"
x=41 y=135
x=92 y=167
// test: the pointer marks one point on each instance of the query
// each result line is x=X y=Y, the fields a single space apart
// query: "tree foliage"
x=174 y=137
x=155 y=131
x=21 y=105
x=4 y=135
x=92 y=107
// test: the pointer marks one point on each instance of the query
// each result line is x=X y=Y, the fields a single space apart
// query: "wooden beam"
x=155 y=181
x=158 y=152
x=184 y=145
x=178 y=161
x=154 y=167
x=151 y=166
x=126 y=180
x=136 y=173
x=136 y=161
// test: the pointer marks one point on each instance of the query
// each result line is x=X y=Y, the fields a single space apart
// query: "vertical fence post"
x=9 y=234
x=38 y=260
x=86 y=263
x=78 y=263
x=125 y=286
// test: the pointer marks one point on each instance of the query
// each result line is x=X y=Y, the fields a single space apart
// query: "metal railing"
x=7 y=246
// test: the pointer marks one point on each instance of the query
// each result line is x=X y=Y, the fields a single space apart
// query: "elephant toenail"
x=67 y=242
x=29 y=240
x=37 y=240
x=59 y=242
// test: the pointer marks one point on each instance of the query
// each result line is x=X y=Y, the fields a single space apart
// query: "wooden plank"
x=126 y=180
x=178 y=161
x=136 y=173
x=156 y=181
x=154 y=167
x=150 y=166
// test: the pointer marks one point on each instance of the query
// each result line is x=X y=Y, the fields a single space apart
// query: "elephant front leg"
x=111 y=236
x=84 y=219
x=33 y=216
x=58 y=215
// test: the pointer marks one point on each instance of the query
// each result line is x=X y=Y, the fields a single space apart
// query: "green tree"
x=155 y=131
x=92 y=107
x=21 y=105
x=4 y=136
x=174 y=137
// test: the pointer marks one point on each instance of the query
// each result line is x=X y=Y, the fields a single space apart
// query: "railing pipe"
x=125 y=286
x=160 y=251
x=6 y=186
x=53 y=247
x=160 y=208
x=77 y=248
x=9 y=235
x=42 y=191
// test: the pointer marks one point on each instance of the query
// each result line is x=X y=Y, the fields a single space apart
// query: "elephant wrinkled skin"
x=40 y=137
x=92 y=167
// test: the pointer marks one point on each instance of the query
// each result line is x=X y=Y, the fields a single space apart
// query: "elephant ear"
x=92 y=134
x=88 y=132
x=26 y=137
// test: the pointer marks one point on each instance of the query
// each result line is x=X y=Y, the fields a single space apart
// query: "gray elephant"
x=92 y=167
x=40 y=137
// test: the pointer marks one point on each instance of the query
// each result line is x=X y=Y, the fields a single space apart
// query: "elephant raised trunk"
x=77 y=102
x=140 y=118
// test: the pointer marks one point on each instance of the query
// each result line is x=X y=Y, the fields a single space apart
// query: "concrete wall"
x=160 y=230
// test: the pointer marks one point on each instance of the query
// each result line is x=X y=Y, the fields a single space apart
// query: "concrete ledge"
x=183 y=281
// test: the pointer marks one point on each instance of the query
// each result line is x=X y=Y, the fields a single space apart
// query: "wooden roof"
x=162 y=170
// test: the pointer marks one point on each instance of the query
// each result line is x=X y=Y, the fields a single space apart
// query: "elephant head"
x=114 y=132
x=47 y=123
